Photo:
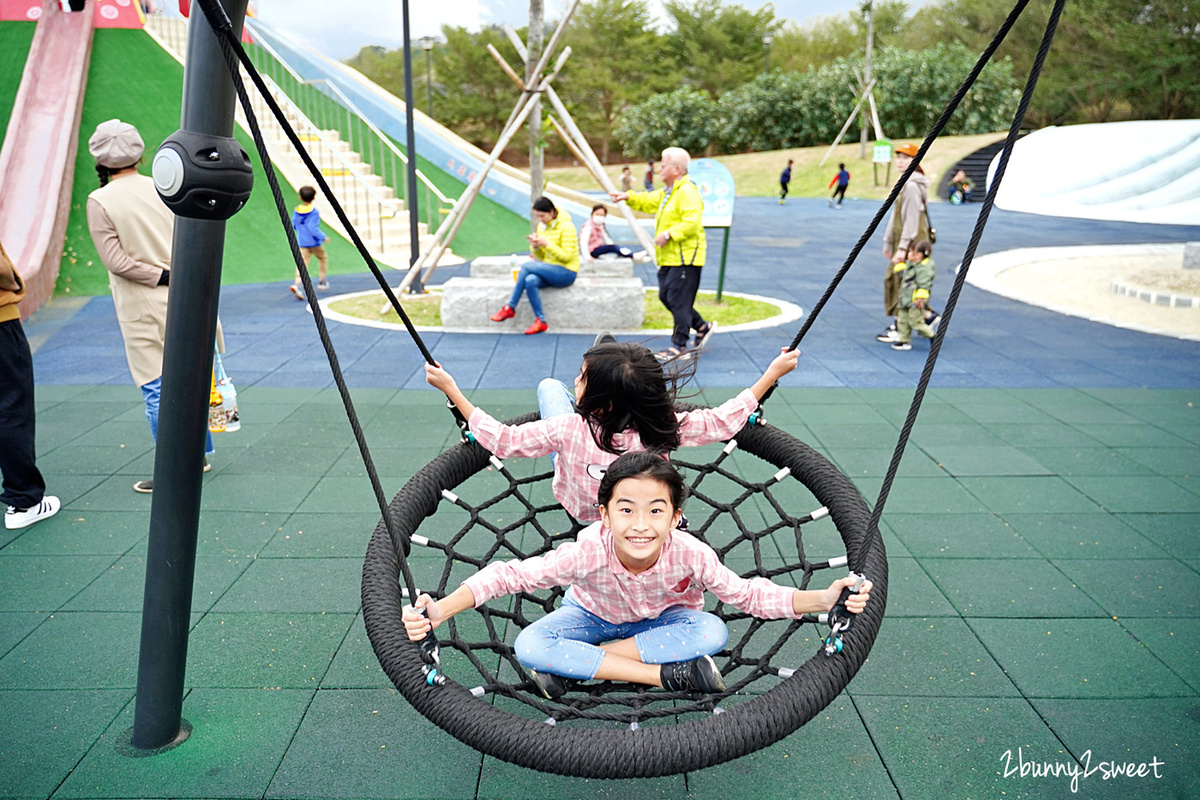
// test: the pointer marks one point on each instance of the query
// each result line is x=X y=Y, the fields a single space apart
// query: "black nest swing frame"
x=705 y=732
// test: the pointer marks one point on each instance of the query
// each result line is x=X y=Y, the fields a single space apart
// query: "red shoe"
x=505 y=312
x=538 y=326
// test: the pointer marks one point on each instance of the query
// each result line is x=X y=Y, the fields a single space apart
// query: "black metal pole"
x=208 y=103
x=411 y=147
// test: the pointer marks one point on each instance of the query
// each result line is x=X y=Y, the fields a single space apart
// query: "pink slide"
x=37 y=162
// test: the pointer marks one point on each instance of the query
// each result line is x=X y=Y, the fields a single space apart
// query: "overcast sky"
x=338 y=29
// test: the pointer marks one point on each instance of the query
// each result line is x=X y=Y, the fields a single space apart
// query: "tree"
x=616 y=61
x=719 y=46
x=826 y=39
x=684 y=118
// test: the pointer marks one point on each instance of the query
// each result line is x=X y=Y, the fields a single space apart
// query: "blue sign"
x=715 y=183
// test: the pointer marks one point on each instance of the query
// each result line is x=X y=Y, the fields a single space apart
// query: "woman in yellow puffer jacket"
x=555 y=262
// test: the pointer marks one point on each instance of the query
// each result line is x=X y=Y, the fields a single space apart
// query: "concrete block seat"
x=605 y=297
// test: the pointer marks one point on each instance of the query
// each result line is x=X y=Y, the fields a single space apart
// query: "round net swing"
x=739 y=504
x=766 y=502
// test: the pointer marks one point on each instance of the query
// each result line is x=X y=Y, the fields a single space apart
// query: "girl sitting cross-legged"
x=634 y=609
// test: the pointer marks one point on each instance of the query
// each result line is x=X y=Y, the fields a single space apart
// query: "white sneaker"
x=890 y=335
x=901 y=345
x=15 y=518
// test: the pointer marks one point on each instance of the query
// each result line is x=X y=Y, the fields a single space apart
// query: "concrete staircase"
x=380 y=218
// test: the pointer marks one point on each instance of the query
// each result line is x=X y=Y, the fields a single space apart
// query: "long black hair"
x=643 y=464
x=626 y=389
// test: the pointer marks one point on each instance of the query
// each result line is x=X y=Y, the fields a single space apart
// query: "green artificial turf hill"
x=133 y=79
x=14 y=47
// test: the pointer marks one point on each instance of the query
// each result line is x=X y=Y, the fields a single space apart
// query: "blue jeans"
x=553 y=401
x=533 y=276
x=564 y=642
x=151 y=393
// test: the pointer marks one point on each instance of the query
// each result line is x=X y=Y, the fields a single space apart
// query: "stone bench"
x=605 y=297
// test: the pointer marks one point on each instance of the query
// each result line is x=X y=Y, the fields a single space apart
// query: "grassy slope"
x=757 y=174
x=256 y=249
x=14 y=46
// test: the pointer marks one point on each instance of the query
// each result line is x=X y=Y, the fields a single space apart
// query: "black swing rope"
x=598 y=753
x=231 y=48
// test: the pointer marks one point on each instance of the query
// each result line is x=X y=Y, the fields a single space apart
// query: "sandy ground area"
x=1078 y=281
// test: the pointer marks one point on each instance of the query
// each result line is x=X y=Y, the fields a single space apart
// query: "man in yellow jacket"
x=679 y=247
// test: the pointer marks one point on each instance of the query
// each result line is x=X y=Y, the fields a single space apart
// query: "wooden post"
x=593 y=163
x=849 y=119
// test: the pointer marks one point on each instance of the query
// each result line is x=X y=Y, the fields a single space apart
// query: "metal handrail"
x=341 y=97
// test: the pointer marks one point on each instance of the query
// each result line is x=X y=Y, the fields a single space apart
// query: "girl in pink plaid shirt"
x=623 y=401
x=634 y=610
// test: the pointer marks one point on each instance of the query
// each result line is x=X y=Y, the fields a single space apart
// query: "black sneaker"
x=698 y=675
x=604 y=338
x=890 y=334
x=552 y=687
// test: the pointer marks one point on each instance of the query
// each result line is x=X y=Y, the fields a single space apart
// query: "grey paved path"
x=788 y=251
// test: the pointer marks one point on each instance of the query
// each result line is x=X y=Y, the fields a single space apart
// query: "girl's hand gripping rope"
x=419 y=623
x=851 y=601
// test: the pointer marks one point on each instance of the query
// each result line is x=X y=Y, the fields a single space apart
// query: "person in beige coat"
x=907 y=224
x=132 y=230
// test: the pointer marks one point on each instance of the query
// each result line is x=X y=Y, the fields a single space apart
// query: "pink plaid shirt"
x=581 y=463
x=602 y=585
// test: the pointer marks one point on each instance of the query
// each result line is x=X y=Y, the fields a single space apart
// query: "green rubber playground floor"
x=1044 y=550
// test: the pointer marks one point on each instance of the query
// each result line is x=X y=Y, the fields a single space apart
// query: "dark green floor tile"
x=1141 y=588
x=839 y=414
x=938 y=656
x=944 y=495
x=291 y=397
x=398 y=461
x=1124 y=732
x=308 y=535
x=282 y=493
x=333 y=411
x=1083 y=536
x=44 y=583
x=874 y=462
x=835 y=742
x=931 y=414
x=1067 y=461
x=16 y=625
x=1129 y=494
x=1016 y=587
x=112 y=494
x=1024 y=435
x=70 y=489
x=1006 y=413
x=866 y=435
x=1176 y=642
x=1056 y=398
x=355 y=666
x=296 y=585
x=368 y=734
x=958 y=535
x=44 y=734
x=284 y=460
x=1090 y=414
x=1076 y=658
x=499 y=779
x=348 y=495
x=234 y=534
x=122 y=586
x=1178 y=534
x=984 y=460
x=1133 y=399
x=76 y=651
x=72 y=459
x=968 y=434
x=1130 y=435
x=911 y=593
x=937 y=748
x=131 y=434
x=71 y=532
x=238 y=738
x=264 y=651
x=1048 y=495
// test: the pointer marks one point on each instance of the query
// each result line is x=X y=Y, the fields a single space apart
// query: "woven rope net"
x=767 y=503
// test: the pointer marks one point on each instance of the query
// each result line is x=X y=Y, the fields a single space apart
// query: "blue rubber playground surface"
x=1043 y=536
